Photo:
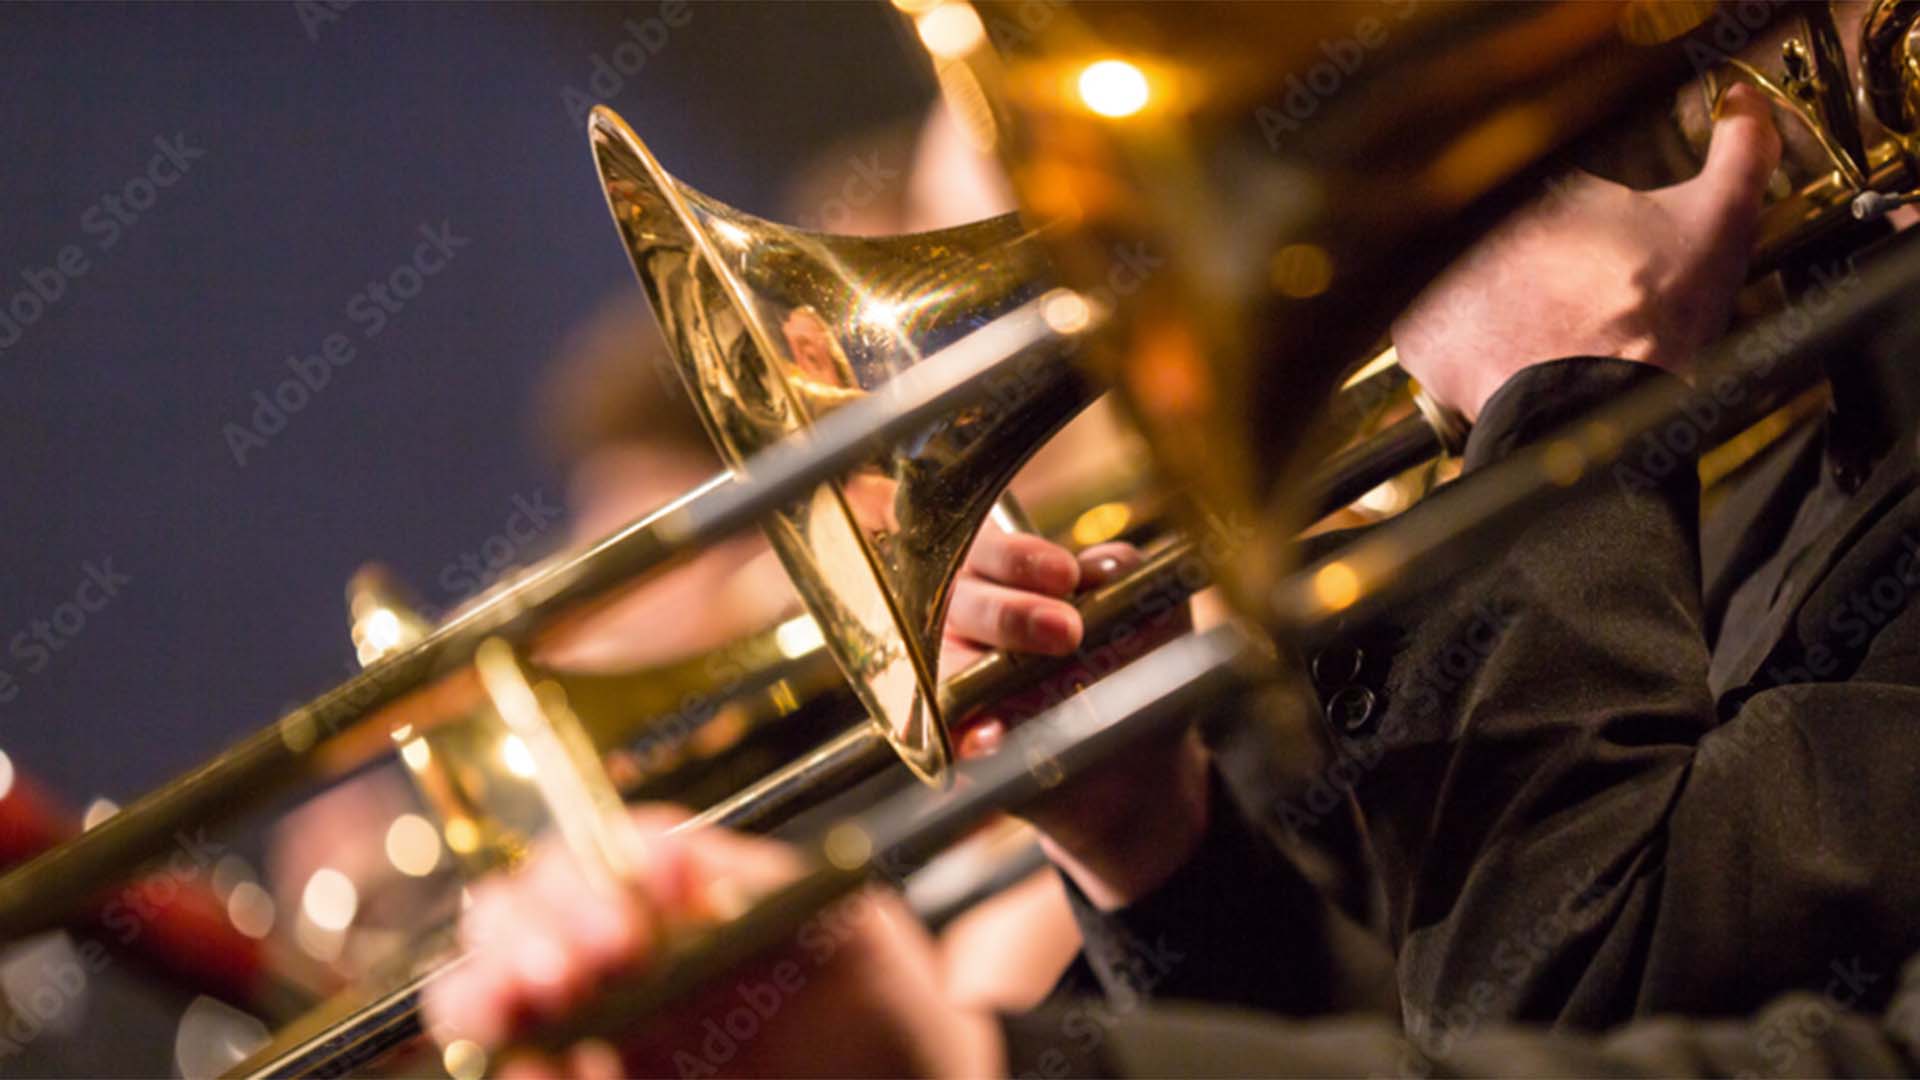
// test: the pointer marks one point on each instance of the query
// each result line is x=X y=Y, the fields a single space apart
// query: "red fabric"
x=176 y=925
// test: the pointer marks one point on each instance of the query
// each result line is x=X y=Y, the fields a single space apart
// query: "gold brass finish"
x=1152 y=128
x=772 y=327
x=1157 y=128
x=1265 y=251
x=1889 y=72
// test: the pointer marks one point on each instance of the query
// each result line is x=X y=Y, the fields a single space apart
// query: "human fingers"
x=1727 y=195
x=1000 y=617
x=1023 y=561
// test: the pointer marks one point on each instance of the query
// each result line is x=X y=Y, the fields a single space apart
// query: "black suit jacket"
x=1795 y=1035
x=1576 y=815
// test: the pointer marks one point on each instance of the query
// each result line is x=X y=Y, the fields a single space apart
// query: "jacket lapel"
x=1752 y=519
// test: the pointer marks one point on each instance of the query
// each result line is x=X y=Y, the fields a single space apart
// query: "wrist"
x=977 y=1048
x=1132 y=853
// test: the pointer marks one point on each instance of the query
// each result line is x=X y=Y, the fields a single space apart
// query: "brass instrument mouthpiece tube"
x=42 y=894
x=1166 y=686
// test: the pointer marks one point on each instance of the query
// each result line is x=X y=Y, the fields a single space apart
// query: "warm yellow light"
x=734 y=234
x=516 y=756
x=330 y=900
x=798 y=636
x=463 y=836
x=1101 y=524
x=98 y=811
x=1336 y=586
x=1301 y=271
x=413 y=845
x=6 y=774
x=251 y=910
x=416 y=754
x=950 y=31
x=1113 y=88
x=848 y=846
x=1388 y=498
x=1655 y=22
x=464 y=1060
x=1066 y=311
x=1602 y=440
x=380 y=634
x=1387 y=359
x=1563 y=463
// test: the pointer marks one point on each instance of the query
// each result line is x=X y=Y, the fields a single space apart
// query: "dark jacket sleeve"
x=1566 y=830
x=1794 y=1035
x=1238 y=923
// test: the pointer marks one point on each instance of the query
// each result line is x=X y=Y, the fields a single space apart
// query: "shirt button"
x=1337 y=665
x=1351 y=710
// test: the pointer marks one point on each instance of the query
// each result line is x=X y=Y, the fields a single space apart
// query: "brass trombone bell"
x=774 y=327
x=1281 y=246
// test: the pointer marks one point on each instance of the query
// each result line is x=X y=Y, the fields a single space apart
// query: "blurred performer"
x=616 y=418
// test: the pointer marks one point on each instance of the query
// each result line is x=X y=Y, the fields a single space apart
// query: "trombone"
x=884 y=354
x=1164 y=687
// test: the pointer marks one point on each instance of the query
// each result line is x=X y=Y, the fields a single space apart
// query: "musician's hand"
x=855 y=994
x=1119 y=831
x=1596 y=269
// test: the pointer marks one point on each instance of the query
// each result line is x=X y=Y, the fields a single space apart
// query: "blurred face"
x=724 y=593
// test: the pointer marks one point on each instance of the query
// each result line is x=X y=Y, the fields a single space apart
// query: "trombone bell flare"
x=772 y=327
x=1279 y=240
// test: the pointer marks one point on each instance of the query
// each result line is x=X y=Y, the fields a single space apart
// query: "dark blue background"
x=323 y=154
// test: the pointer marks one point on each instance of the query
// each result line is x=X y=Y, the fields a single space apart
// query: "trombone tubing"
x=41 y=895
x=349 y=1035
x=919 y=821
x=1771 y=360
x=1157 y=693
x=1161 y=689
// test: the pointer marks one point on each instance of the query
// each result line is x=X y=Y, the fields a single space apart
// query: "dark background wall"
x=316 y=149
